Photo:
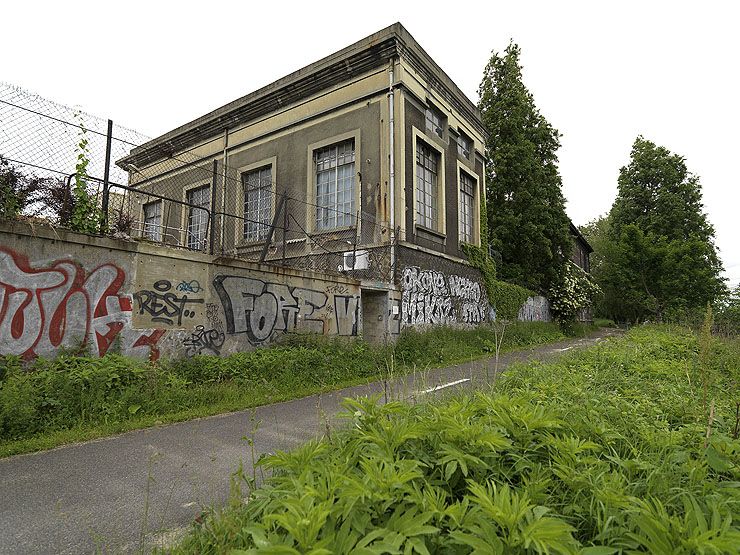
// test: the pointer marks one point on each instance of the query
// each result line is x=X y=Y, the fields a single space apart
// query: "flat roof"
x=371 y=52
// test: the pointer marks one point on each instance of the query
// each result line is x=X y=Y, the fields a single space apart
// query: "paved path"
x=141 y=488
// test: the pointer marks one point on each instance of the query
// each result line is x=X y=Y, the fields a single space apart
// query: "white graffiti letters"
x=430 y=297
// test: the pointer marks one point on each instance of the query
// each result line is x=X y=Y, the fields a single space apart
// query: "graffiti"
x=258 y=308
x=430 y=297
x=346 y=308
x=189 y=286
x=150 y=341
x=163 y=305
x=213 y=316
x=204 y=341
x=62 y=306
x=337 y=289
x=536 y=309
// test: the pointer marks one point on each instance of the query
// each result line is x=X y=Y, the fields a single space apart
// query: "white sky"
x=601 y=72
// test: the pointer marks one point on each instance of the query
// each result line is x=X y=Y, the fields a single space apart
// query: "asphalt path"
x=130 y=492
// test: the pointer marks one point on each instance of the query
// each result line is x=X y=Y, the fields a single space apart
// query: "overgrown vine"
x=86 y=216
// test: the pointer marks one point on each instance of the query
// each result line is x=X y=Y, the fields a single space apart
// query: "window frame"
x=311 y=181
x=417 y=136
x=187 y=209
x=462 y=136
x=158 y=227
x=429 y=122
x=240 y=238
x=463 y=169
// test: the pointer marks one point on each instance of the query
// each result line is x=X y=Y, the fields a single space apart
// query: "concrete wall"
x=60 y=290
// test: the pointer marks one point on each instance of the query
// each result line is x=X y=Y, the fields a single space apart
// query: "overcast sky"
x=601 y=72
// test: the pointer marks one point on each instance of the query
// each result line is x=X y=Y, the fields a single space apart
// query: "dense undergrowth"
x=611 y=450
x=73 y=397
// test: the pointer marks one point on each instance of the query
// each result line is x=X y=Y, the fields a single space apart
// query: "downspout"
x=392 y=173
x=223 y=190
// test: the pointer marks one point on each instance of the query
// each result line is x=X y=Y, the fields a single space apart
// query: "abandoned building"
x=368 y=162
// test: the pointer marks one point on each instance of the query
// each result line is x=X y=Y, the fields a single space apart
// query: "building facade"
x=367 y=163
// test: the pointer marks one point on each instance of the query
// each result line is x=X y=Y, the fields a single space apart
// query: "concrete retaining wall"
x=60 y=290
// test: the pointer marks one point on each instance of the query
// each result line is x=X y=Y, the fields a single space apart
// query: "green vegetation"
x=506 y=298
x=609 y=450
x=654 y=254
x=71 y=398
x=527 y=225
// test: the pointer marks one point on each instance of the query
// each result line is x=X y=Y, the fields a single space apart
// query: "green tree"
x=527 y=223
x=659 y=258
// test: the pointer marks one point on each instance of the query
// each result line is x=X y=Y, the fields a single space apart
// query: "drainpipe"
x=392 y=173
x=223 y=190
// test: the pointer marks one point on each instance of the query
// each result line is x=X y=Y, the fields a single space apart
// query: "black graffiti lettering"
x=259 y=309
x=163 y=305
x=202 y=340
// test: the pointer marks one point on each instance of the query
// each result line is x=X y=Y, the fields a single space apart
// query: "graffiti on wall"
x=165 y=306
x=63 y=306
x=259 y=309
x=536 y=309
x=431 y=297
x=203 y=342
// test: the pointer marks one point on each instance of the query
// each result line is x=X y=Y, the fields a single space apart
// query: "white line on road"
x=438 y=387
x=186 y=505
x=565 y=349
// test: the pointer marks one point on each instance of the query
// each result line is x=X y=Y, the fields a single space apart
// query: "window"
x=153 y=220
x=427 y=161
x=464 y=145
x=435 y=121
x=197 y=228
x=257 y=186
x=335 y=185
x=467 y=207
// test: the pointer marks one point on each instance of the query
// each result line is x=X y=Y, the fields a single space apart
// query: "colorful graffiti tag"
x=62 y=306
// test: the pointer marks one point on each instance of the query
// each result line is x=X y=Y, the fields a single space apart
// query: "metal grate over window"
x=427 y=160
x=335 y=185
x=198 y=217
x=153 y=220
x=257 y=186
x=467 y=207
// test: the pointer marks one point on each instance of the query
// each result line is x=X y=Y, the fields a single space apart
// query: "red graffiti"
x=151 y=342
x=61 y=306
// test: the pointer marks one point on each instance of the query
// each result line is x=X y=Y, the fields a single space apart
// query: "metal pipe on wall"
x=392 y=173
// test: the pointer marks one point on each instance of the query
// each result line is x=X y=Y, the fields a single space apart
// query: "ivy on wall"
x=506 y=298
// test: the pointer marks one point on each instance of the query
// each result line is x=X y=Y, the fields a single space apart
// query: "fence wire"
x=185 y=201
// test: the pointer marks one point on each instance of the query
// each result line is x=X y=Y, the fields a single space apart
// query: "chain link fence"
x=50 y=154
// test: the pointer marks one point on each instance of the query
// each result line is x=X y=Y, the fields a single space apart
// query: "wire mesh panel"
x=191 y=201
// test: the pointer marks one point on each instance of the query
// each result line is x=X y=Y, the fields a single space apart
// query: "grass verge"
x=76 y=398
x=629 y=447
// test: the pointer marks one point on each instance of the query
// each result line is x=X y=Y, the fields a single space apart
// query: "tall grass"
x=601 y=452
x=89 y=397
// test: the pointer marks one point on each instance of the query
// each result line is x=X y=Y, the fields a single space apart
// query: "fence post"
x=106 y=178
x=285 y=227
x=212 y=230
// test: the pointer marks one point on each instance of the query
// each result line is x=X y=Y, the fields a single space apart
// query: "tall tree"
x=660 y=258
x=527 y=223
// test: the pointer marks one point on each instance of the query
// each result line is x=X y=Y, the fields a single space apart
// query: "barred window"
x=467 y=207
x=197 y=229
x=335 y=185
x=257 y=186
x=427 y=161
x=153 y=220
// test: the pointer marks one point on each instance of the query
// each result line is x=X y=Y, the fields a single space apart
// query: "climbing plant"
x=506 y=298
x=86 y=216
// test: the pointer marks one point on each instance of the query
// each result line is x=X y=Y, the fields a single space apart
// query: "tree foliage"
x=527 y=223
x=654 y=254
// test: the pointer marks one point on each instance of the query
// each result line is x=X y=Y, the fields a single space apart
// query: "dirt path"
x=143 y=487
